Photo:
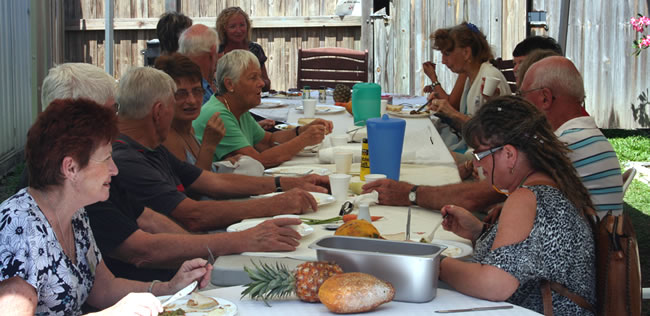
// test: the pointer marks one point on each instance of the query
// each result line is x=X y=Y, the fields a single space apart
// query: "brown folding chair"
x=330 y=66
x=507 y=69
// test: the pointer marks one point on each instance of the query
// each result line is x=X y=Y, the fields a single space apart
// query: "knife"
x=408 y=225
x=186 y=290
x=475 y=309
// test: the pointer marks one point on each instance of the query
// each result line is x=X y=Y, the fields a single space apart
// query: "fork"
x=212 y=259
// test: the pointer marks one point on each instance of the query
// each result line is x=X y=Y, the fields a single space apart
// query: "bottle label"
x=365 y=160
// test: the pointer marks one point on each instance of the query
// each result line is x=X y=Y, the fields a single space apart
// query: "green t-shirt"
x=239 y=134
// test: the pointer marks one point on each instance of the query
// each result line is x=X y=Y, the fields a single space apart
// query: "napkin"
x=245 y=165
x=368 y=198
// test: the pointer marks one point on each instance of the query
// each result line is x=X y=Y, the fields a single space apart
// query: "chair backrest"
x=507 y=69
x=628 y=176
x=331 y=66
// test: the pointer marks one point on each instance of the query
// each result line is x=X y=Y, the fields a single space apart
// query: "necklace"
x=225 y=102
x=65 y=245
x=186 y=142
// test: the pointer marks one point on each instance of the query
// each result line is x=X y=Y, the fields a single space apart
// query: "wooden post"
x=367 y=35
x=108 y=36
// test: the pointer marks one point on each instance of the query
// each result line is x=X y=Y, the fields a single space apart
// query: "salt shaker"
x=364 y=213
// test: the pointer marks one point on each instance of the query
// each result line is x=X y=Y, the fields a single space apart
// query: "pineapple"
x=270 y=282
x=342 y=93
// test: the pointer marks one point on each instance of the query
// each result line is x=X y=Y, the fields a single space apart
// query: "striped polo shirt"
x=595 y=160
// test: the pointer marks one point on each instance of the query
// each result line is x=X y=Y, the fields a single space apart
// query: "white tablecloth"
x=445 y=299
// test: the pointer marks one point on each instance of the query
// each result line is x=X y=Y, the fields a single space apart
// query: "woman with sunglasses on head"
x=465 y=51
x=181 y=140
x=541 y=232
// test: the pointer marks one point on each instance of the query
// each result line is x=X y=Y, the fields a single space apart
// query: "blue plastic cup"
x=366 y=102
x=385 y=142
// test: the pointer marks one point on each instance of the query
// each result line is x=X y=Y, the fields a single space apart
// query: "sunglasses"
x=480 y=155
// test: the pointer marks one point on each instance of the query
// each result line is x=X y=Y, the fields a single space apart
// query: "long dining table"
x=437 y=168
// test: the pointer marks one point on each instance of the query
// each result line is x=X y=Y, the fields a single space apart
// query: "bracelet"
x=150 y=289
x=278 y=186
x=297 y=130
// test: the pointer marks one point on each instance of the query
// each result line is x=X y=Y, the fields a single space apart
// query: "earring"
x=512 y=170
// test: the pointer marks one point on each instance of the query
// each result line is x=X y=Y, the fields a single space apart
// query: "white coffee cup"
x=343 y=161
x=309 y=107
x=490 y=85
x=383 y=103
x=339 y=139
x=340 y=183
x=374 y=177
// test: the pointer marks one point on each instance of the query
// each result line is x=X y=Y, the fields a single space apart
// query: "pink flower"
x=645 y=43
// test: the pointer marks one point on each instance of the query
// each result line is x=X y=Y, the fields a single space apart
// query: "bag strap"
x=547 y=297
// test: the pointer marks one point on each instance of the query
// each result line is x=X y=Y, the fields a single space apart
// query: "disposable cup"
x=339 y=183
x=490 y=85
x=339 y=140
x=374 y=177
x=343 y=161
x=382 y=109
x=309 y=107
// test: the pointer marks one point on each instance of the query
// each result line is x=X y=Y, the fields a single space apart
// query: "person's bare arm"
x=153 y=222
x=473 y=196
x=210 y=215
x=167 y=250
x=17 y=297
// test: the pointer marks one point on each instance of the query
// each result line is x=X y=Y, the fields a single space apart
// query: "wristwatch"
x=413 y=195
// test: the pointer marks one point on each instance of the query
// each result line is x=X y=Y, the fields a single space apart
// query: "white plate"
x=321 y=198
x=455 y=249
x=407 y=114
x=297 y=171
x=302 y=229
x=324 y=109
x=285 y=126
x=229 y=308
x=268 y=104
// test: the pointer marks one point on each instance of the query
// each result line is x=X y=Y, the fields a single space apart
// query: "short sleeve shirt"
x=239 y=133
x=151 y=177
x=29 y=250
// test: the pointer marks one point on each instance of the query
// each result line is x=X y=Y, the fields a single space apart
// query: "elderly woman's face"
x=454 y=59
x=249 y=87
x=237 y=29
x=94 y=180
x=189 y=97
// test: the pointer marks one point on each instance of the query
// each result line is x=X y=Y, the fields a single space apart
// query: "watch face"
x=412 y=196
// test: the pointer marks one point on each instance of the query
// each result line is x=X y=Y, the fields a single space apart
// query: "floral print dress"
x=29 y=249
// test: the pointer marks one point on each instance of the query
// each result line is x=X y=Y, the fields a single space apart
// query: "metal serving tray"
x=411 y=267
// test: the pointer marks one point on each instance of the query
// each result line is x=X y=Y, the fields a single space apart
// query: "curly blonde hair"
x=223 y=18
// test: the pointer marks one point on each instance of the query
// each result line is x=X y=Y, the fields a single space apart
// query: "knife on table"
x=474 y=309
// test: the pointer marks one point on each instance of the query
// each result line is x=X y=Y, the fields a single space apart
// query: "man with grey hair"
x=555 y=86
x=154 y=177
x=146 y=245
x=78 y=80
x=199 y=43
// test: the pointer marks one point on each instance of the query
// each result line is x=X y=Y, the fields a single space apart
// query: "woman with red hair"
x=49 y=262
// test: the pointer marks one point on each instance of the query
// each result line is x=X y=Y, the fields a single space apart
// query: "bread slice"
x=200 y=301
x=394 y=107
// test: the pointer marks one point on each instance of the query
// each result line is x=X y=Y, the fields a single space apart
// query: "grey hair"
x=197 y=39
x=140 y=88
x=77 y=80
x=561 y=77
x=232 y=65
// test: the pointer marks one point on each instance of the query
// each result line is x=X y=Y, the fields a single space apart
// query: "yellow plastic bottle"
x=365 y=160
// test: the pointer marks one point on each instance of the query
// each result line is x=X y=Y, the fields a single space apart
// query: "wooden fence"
x=599 y=40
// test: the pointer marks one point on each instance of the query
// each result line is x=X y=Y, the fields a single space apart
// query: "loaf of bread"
x=354 y=292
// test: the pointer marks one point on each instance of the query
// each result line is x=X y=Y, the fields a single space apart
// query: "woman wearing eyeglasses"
x=541 y=232
x=189 y=95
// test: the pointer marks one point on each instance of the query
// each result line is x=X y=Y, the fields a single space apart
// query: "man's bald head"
x=197 y=39
x=558 y=74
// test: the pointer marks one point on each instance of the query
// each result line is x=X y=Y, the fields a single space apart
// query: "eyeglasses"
x=521 y=93
x=182 y=94
x=483 y=154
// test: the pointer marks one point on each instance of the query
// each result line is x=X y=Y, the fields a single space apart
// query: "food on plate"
x=358 y=228
x=351 y=217
x=342 y=93
x=305 y=121
x=269 y=282
x=394 y=108
x=176 y=312
x=418 y=112
x=200 y=301
x=355 y=292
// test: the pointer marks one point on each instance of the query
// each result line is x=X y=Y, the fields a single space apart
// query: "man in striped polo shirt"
x=555 y=86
